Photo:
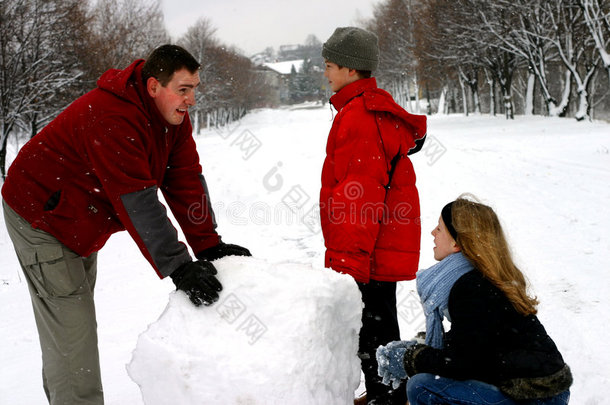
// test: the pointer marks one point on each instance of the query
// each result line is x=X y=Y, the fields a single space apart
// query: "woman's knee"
x=418 y=384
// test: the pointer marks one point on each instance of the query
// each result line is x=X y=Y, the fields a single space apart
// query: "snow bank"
x=280 y=333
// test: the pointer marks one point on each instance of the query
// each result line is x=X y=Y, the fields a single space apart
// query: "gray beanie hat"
x=353 y=48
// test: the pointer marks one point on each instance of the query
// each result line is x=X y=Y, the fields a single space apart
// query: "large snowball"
x=280 y=334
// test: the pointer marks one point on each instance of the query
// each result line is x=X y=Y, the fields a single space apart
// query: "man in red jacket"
x=369 y=205
x=95 y=170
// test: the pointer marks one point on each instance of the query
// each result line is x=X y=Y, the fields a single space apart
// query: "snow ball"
x=279 y=334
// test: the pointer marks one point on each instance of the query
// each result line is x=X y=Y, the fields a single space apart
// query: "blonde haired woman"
x=497 y=351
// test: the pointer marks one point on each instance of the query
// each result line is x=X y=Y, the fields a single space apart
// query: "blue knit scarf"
x=433 y=286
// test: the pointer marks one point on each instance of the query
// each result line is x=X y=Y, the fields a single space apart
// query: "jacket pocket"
x=52 y=202
x=50 y=272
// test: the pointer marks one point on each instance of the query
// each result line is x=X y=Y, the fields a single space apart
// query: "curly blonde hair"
x=482 y=241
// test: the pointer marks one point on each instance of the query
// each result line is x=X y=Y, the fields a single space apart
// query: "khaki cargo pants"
x=61 y=287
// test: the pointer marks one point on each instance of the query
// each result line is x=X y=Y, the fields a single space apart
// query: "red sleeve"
x=119 y=153
x=186 y=192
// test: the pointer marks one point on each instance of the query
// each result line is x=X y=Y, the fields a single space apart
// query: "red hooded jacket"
x=371 y=225
x=96 y=168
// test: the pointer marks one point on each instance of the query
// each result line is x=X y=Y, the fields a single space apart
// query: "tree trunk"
x=442 y=101
x=492 y=93
x=3 y=154
x=409 y=102
x=561 y=109
x=33 y=126
x=417 y=106
x=429 y=109
x=197 y=128
x=507 y=99
x=584 y=105
x=508 y=106
x=464 y=96
x=476 y=101
x=529 y=95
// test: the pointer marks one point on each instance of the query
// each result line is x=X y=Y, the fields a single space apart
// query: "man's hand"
x=198 y=281
x=222 y=250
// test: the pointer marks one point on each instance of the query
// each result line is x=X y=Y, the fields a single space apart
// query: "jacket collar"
x=351 y=91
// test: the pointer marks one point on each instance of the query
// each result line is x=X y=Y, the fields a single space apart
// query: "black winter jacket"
x=491 y=342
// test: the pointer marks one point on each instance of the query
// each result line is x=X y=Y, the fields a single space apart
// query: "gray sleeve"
x=206 y=190
x=158 y=237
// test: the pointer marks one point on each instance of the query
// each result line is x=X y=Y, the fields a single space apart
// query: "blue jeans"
x=429 y=389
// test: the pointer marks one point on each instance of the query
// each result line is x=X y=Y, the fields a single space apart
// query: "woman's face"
x=444 y=244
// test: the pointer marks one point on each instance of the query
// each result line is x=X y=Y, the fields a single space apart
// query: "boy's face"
x=174 y=99
x=339 y=77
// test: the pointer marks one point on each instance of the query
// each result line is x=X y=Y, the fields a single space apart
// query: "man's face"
x=174 y=99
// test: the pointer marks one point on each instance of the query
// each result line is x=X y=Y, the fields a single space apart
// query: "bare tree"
x=529 y=38
x=59 y=44
x=200 y=39
x=484 y=50
x=575 y=47
x=596 y=14
x=121 y=31
x=36 y=71
x=436 y=73
x=228 y=85
x=393 y=24
x=444 y=42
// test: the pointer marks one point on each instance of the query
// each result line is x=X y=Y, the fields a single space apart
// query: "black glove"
x=222 y=250
x=419 y=143
x=410 y=355
x=198 y=281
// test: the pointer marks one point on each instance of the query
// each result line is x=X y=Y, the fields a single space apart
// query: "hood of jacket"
x=124 y=83
x=127 y=84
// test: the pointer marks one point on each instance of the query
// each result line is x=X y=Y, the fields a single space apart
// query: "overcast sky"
x=253 y=25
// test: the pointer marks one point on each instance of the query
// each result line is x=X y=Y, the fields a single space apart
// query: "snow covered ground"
x=548 y=179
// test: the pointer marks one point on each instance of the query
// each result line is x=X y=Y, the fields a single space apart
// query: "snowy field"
x=548 y=179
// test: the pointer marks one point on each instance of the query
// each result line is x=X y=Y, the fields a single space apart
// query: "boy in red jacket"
x=95 y=170
x=369 y=205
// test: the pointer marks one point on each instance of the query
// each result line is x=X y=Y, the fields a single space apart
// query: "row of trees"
x=230 y=87
x=52 y=51
x=550 y=52
x=525 y=56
